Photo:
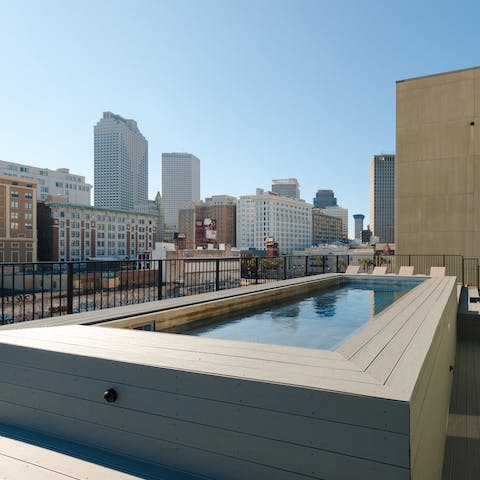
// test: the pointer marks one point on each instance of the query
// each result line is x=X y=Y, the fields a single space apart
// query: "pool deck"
x=375 y=408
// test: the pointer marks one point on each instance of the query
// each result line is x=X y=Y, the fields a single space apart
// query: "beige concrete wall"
x=437 y=164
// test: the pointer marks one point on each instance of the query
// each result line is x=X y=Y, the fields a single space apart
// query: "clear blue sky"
x=256 y=89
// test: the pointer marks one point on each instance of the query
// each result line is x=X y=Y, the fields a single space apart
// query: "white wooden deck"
x=232 y=410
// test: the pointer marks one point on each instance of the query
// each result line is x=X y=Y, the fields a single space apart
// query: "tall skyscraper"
x=358 y=217
x=121 y=163
x=382 y=197
x=180 y=184
x=324 y=198
x=288 y=187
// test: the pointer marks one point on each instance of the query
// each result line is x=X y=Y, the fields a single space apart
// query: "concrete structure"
x=358 y=217
x=180 y=185
x=374 y=408
x=366 y=235
x=288 y=187
x=324 y=198
x=342 y=213
x=326 y=228
x=18 y=220
x=60 y=182
x=121 y=163
x=287 y=221
x=382 y=197
x=209 y=223
x=78 y=232
x=437 y=164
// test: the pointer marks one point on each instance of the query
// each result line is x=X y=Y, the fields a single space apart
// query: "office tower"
x=342 y=213
x=382 y=197
x=18 y=220
x=325 y=228
x=268 y=217
x=56 y=183
x=121 y=163
x=437 y=164
x=180 y=185
x=69 y=232
x=358 y=217
x=288 y=187
x=324 y=198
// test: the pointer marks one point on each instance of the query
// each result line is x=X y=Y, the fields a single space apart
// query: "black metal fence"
x=47 y=289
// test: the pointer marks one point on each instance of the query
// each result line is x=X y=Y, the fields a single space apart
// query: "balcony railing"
x=47 y=289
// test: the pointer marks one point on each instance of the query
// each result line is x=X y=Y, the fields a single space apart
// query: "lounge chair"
x=379 y=271
x=437 y=271
x=405 y=271
x=352 y=269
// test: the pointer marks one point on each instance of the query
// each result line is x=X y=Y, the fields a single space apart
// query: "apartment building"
x=78 y=233
x=18 y=220
x=325 y=228
x=59 y=183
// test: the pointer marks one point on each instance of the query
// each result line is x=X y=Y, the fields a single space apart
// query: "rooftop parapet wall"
x=438 y=164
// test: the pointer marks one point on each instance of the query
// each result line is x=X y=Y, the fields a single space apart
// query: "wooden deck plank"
x=203 y=363
x=408 y=303
x=462 y=450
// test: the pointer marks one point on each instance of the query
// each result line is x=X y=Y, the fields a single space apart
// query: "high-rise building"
x=325 y=228
x=57 y=183
x=281 y=220
x=288 y=187
x=324 y=198
x=358 y=217
x=180 y=185
x=154 y=207
x=18 y=220
x=382 y=197
x=437 y=187
x=342 y=213
x=121 y=163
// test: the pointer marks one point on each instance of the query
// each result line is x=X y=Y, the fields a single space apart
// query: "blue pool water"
x=324 y=321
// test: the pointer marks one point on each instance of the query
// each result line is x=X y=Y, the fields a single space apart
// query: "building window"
x=13 y=214
x=14 y=194
x=28 y=195
x=15 y=256
x=14 y=204
x=28 y=206
x=28 y=216
x=14 y=226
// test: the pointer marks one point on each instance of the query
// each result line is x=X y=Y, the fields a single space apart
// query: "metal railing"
x=47 y=289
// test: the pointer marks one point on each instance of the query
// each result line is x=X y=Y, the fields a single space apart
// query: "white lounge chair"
x=405 y=271
x=379 y=271
x=352 y=269
x=437 y=271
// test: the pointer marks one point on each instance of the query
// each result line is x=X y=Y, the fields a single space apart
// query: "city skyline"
x=271 y=90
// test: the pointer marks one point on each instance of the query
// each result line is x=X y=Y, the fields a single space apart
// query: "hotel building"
x=267 y=215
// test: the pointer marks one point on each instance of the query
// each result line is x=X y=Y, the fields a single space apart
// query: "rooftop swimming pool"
x=323 y=321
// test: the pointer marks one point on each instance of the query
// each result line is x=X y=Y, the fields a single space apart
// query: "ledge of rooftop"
x=439 y=74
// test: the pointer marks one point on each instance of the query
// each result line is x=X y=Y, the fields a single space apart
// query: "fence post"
x=324 y=261
x=160 y=279
x=69 y=288
x=306 y=266
x=285 y=267
x=256 y=270
x=217 y=274
x=336 y=270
